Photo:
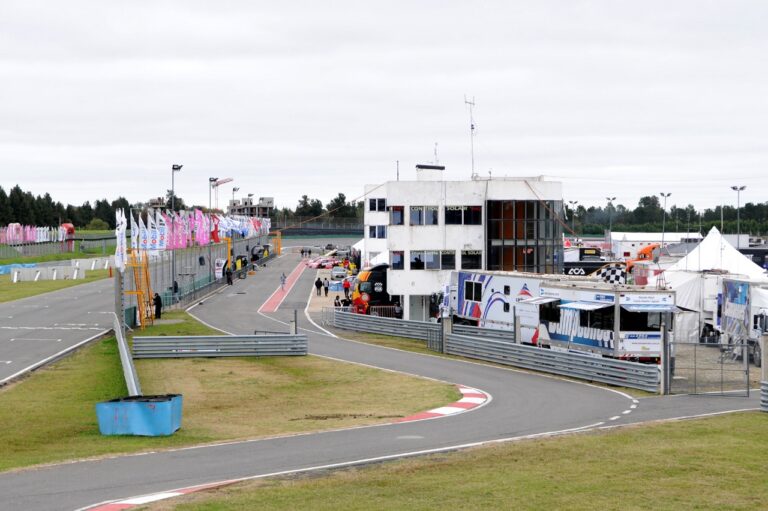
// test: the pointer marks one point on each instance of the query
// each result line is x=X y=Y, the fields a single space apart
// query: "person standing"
x=318 y=285
x=337 y=302
x=158 y=302
x=326 y=285
x=282 y=281
x=346 y=285
x=228 y=273
x=302 y=253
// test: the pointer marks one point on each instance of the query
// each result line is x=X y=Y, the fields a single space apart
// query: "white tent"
x=715 y=253
x=696 y=288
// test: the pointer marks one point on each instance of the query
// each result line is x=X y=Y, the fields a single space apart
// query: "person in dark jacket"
x=318 y=285
x=228 y=273
x=158 y=302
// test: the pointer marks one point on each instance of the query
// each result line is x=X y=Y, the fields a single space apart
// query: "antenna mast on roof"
x=437 y=161
x=471 y=132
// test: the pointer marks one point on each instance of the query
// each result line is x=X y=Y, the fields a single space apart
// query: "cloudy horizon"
x=614 y=98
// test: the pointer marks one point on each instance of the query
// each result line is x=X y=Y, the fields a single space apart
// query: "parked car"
x=338 y=273
x=323 y=262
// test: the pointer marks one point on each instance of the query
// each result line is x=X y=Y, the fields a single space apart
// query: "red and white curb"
x=154 y=497
x=471 y=398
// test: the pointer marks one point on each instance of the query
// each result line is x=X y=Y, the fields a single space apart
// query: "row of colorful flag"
x=169 y=230
x=17 y=233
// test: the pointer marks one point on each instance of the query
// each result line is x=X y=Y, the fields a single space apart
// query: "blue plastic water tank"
x=140 y=415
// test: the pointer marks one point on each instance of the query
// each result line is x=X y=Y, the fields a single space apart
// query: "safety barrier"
x=486 y=333
x=129 y=370
x=764 y=396
x=47 y=273
x=220 y=346
x=614 y=372
x=378 y=325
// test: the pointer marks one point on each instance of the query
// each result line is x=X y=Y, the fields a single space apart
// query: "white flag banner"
x=120 y=245
x=143 y=235
x=162 y=232
x=134 y=232
x=152 y=230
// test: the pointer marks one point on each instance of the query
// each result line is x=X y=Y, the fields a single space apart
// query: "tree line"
x=26 y=208
x=649 y=216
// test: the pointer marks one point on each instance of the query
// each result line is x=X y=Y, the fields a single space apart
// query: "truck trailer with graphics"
x=565 y=313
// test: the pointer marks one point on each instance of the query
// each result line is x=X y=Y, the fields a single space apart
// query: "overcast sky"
x=619 y=98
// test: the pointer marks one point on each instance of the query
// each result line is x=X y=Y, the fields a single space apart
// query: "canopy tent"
x=715 y=253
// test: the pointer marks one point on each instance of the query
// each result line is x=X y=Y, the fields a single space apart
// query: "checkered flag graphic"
x=613 y=273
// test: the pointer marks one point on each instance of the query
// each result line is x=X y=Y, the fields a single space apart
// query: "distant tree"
x=97 y=224
x=6 y=214
x=339 y=207
x=178 y=202
x=121 y=203
x=86 y=214
x=22 y=206
x=309 y=207
x=103 y=210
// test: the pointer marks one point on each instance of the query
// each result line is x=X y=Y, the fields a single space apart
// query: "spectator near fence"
x=346 y=285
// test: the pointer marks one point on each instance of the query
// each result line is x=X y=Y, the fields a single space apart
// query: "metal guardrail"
x=486 y=333
x=614 y=372
x=220 y=346
x=129 y=370
x=387 y=326
x=764 y=396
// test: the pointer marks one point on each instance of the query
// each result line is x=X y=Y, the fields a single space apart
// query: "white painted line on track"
x=32 y=339
x=615 y=417
x=363 y=461
x=626 y=412
x=52 y=357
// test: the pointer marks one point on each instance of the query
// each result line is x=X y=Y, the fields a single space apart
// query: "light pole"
x=738 y=190
x=174 y=169
x=232 y=207
x=573 y=204
x=211 y=180
x=663 y=219
x=610 y=218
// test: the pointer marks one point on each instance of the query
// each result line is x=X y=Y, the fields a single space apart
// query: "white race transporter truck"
x=565 y=313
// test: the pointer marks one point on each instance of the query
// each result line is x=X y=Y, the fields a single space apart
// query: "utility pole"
x=174 y=169
x=738 y=190
x=573 y=204
x=471 y=132
x=663 y=220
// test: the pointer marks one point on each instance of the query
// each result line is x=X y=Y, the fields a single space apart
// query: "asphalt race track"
x=522 y=404
x=39 y=327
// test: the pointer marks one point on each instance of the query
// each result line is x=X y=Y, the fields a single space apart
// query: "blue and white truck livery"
x=565 y=313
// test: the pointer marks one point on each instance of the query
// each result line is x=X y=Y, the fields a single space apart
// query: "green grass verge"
x=78 y=254
x=708 y=464
x=10 y=291
x=50 y=416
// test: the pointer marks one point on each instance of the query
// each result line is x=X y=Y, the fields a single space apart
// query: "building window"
x=464 y=215
x=417 y=215
x=471 y=259
x=454 y=215
x=377 y=204
x=448 y=260
x=377 y=231
x=473 y=291
x=524 y=235
x=424 y=215
x=396 y=215
x=397 y=259
x=432 y=259
x=473 y=215
x=417 y=259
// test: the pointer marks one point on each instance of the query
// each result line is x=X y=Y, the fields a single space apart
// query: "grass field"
x=10 y=291
x=707 y=464
x=50 y=416
x=50 y=257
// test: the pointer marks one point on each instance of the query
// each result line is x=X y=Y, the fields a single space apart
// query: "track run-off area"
x=517 y=405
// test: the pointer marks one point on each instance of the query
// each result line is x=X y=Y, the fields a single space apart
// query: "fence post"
x=447 y=330
x=294 y=324
x=666 y=374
